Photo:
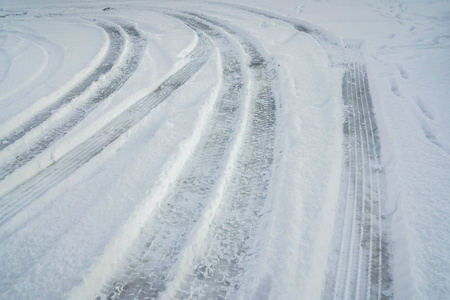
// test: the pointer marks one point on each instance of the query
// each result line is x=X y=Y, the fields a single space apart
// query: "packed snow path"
x=122 y=72
x=202 y=226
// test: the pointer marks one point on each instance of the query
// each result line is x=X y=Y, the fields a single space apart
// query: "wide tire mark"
x=217 y=270
x=166 y=235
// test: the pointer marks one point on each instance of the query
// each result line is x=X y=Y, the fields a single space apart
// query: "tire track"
x=117 y=42
x=361 y=258
x=358 y=185
x=331 y=46
x=47 y=49
x=75 y=116
x=365 y=234
x=22 y=195
x=165 y=236
x=5 y=60
x=217 y=269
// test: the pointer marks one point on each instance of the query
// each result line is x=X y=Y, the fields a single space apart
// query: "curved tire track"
x=48 y=63
x=175 y=227
x=5 y=61
x=75 y=116
x=117 y=42
x=22 y=195
x=363 y=233
x=166 y=235
x=217 y=270
x=330 y=45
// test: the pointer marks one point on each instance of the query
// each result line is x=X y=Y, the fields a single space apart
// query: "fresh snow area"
x=225 y=150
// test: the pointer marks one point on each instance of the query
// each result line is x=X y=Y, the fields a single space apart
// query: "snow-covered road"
x=205 y=151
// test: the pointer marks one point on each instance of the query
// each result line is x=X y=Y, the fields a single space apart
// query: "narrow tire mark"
x=19 y=197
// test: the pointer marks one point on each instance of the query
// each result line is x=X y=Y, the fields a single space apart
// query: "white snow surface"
x=77 y=236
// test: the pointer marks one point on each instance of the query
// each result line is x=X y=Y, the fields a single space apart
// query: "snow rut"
x=217 y=270
x=330 y=45
x=120 y=74
x=217 y=198
x=117 y=41
x=20 y=196
x=359 y=265
x=165 y=236
x=360 y=261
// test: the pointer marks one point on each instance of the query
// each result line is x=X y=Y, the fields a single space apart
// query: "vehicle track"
x=217 y=270
x=362 y=230
x=331 y=46
x=48 y=61
x=5 y=60
x=117 y=42
x=360 y=253
x=22 y=195
x=75 y=116
x=165 y=236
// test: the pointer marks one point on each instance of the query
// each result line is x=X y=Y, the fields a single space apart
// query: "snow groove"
x=325 y=39
x=50 y=57
x=360 y=256
x=75 y=116
x=5 y=61
x=165 y=236
x=20 y=196
x=117 y=41
x=220 y=192
x=216 y=271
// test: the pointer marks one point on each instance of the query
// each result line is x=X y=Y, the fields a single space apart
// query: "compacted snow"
x=225 y=150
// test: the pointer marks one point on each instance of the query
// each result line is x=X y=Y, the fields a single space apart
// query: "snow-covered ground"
x=238 y=149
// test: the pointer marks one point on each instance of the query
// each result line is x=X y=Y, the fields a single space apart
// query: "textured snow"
x=71 y=241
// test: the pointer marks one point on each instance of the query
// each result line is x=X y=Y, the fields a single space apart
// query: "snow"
x=80 y=236
x=41 y=66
